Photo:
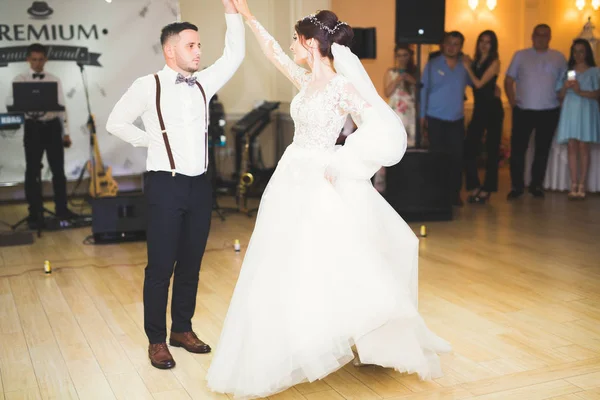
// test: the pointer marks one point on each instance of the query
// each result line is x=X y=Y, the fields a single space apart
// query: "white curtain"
x=557 y=173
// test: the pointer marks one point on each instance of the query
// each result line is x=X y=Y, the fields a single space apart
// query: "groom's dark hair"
x=174 y=29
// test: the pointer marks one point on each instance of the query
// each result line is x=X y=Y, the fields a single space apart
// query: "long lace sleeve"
x=298 y=75
x=351 y=102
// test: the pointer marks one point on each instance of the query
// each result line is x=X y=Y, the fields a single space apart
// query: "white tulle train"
x=328 y=267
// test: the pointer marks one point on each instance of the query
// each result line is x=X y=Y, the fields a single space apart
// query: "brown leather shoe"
x=189 y=341
x=160 y=356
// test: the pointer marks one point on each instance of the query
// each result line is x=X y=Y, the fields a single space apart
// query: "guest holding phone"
x=579 y=123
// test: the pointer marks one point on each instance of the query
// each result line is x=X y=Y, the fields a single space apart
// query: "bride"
x=330 y=264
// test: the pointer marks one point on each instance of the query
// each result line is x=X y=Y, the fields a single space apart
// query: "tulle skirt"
x=327 y=267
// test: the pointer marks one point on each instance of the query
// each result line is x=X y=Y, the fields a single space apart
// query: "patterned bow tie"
x=41 y=76
x=191 y=81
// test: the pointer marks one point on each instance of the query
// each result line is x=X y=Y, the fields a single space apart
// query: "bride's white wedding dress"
x=327 y=267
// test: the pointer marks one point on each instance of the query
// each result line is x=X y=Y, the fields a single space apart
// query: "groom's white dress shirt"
x=182 y=106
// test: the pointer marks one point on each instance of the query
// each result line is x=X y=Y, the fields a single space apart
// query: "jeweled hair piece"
x=313 y=18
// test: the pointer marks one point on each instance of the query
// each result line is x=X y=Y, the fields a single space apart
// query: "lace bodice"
x=318 y=114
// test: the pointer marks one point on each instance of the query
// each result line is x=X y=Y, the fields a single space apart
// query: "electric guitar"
x=102 y=184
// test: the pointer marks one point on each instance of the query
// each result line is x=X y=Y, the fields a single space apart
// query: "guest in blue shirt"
x=535 y=71
x=442 y=104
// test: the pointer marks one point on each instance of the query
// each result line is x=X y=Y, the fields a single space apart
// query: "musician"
x=49 y=132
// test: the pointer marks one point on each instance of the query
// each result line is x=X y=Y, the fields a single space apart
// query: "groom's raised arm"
x=214 y=77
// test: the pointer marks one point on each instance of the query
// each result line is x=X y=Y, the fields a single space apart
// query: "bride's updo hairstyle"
x=327 y=29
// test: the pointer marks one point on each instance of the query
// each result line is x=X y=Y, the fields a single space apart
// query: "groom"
x=173 y=106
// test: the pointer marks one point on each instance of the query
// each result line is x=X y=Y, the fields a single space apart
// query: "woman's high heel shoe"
x=573 y=194
x=482 y=198
x=581 y=192
x=473 y=196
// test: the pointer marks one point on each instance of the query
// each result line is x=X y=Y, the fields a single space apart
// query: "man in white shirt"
x=173 y=106
x=49 y=132
x=530 y=87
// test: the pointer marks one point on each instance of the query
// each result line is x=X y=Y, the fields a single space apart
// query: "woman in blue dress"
x=579 y=123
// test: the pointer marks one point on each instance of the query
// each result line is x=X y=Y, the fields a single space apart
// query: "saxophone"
x=246 y=178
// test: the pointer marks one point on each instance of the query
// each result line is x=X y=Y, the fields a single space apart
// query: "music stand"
x=252 y=124
x=35 y=99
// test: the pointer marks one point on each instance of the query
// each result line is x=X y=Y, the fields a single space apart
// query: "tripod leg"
x=41 y=210
x=80 y=178
x=21 y=222
x=218 y=209
x=221 y=215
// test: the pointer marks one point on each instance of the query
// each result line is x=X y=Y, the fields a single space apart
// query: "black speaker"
x=420 y=21
x=420 y=188
x=119 y=219
x=364 y=44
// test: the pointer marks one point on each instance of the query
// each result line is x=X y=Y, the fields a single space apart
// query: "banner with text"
x=105 y=44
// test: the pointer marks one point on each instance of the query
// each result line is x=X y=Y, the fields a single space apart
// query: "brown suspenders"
x=205 y=125
x=162 y=125
x=164 y=130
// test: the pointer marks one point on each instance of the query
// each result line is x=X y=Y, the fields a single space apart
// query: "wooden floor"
x=515 y=287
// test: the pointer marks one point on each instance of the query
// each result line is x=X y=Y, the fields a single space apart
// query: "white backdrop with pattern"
x=117 y=42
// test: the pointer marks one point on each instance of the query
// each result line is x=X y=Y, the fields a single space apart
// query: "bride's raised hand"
x=229 y=6
x=242 y=7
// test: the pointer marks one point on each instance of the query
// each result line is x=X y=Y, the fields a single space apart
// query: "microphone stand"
x=92 y=127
